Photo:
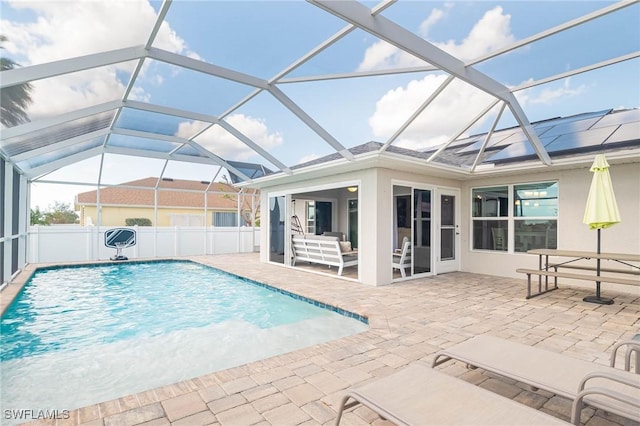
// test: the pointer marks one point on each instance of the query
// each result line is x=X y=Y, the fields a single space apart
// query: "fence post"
x=175 y=240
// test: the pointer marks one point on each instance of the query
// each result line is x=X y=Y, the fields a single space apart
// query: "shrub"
x=140 y=221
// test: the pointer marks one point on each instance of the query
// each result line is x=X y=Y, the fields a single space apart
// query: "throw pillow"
x=345 y=246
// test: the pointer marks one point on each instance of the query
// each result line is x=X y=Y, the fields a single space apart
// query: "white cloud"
x=458 y=104
x=444 y=117
x=490 y=33
x=548 y=96
x=223 y=144
x=67 y=29
x=435 y=16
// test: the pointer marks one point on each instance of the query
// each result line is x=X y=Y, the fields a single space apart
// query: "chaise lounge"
x=419 y=395
x=606 y=387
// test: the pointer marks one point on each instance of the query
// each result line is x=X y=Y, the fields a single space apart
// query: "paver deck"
x=409 y=322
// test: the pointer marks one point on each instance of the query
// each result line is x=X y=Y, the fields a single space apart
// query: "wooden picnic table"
x=547 y=269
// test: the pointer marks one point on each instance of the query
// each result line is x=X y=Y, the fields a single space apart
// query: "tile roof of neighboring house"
x=178 y=196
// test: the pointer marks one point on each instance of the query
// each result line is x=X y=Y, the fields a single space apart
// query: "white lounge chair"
x=418 y=395
x=600 y=386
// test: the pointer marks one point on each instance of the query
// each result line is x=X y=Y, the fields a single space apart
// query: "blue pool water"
x=81 y=335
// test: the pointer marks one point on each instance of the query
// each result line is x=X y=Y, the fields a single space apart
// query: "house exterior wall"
x=572 y=233
x=116 y=215
x=375 y=216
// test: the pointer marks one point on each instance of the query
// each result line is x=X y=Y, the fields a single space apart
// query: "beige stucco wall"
x=116 y=216
x=572 y=233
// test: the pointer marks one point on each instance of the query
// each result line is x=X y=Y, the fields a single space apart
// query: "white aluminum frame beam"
x=403 y=39
x=557 y=29
x=206 y=153
x=65 y=66
x=211 y=120
x=487 y=137
x=313 y=125
x=419 y=111
x=160 y=155
x=165 y=110
x=464 y=129
x=206 y=68
x=577 y=71
x=258 y=149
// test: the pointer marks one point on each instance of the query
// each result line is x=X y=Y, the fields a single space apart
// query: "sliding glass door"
x=277 y=220
x=412 y=209
x=421 y=231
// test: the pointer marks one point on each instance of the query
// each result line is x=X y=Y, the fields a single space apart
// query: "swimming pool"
x=81 y=335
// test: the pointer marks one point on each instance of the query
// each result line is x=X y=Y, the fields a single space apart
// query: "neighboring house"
x=476 y=205
x=180 y=203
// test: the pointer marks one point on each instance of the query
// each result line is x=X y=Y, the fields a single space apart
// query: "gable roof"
x=172 y=193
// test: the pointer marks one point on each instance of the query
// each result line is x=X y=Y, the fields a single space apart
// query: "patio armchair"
x=402 y=260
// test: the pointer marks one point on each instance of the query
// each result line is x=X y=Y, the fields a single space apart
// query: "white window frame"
x=510 y=218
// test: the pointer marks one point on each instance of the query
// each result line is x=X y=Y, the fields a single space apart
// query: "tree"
x=37 y=217
x=249 y=206
x=14 y=99
x=60 y=213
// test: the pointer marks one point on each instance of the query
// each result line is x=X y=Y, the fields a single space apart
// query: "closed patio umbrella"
x=601 y=211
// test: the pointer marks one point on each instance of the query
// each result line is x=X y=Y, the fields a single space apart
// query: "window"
x=490 y=210
x=531 y=224
x=186 y=220
x=535 y=210
x=225 y=219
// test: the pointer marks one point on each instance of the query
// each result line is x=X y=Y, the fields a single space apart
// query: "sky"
x=262 y=38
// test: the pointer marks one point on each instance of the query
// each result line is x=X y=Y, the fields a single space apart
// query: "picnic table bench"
x=547 y=269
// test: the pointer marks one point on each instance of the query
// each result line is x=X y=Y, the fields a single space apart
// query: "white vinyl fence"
x=69 y=243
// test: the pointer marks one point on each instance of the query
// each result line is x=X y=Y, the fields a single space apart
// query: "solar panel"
x=518 y=150
x=629 y=132
x=580 y=140
x=495 y=139
x=564 y=120
x=571 y=127
x=619 y=117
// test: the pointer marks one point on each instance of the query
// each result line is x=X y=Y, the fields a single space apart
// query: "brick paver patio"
x=409 y=321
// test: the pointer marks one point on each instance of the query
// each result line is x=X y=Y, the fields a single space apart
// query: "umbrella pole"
x=598 y=266
x=597 y=298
